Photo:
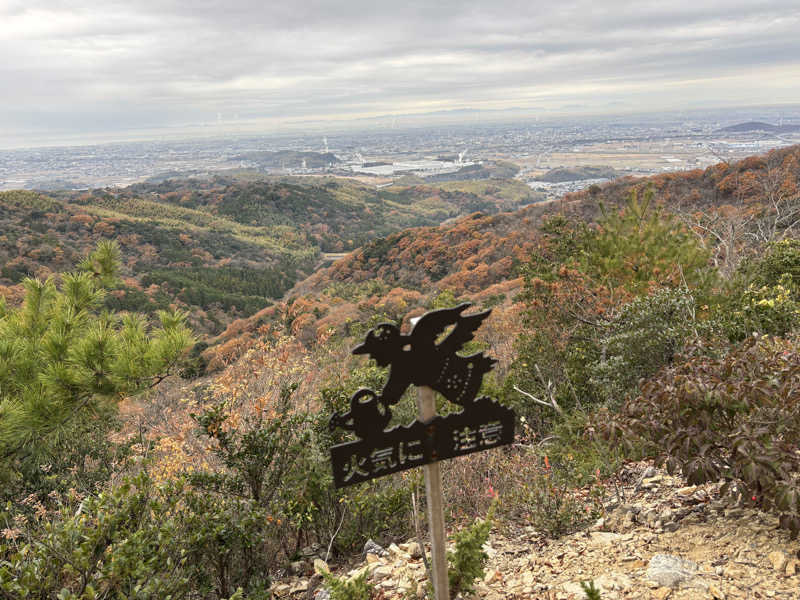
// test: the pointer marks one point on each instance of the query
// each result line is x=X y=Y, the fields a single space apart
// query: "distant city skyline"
x=88 y=71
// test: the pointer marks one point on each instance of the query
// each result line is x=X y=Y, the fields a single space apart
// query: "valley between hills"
x=645 y=332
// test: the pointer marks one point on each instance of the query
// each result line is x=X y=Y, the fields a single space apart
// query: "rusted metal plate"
x=420 y=359
x=483 y=424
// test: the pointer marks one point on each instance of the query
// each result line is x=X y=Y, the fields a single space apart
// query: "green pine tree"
x=641 y=246
x=65 y=362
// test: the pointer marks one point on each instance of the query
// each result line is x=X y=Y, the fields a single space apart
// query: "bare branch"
x=335 y=533
x=552 y=404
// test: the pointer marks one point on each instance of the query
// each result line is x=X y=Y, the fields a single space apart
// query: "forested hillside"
x=653 y=319
x=485 y=256
x=223 y=247
x=749 y=182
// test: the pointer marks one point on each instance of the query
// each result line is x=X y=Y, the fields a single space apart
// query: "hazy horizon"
x=116 y=71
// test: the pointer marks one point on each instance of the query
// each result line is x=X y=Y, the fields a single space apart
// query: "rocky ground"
x=661 y=540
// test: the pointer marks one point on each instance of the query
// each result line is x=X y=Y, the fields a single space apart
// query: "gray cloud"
x=87 y=65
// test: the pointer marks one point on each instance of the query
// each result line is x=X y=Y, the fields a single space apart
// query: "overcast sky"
x=106 y=66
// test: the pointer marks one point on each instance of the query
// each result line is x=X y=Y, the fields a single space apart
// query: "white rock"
x=320 y=566
x=613 y=581
x=603 y=538
x=778 y=560
x=527 y=578
x=381 y=572
x=670 y=571
x=413 y=549
x=574 y=587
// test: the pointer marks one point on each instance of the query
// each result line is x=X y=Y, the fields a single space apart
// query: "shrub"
x=275 y=456
x=735 y=417
x=257 y=448
x=551 y=501
x=316 y=511
x=604 y=361
x=764 y=296
x=639 y=339
x=252 y=494
x=768 y=309
x=782 y=258
x=138 y=540
x=468 y=560
x=122 y=543
x=375 y=509
x=230 y=543
x=356 y=588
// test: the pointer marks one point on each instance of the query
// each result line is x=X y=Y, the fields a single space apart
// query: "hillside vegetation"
x=654 y=318
x=224 y=247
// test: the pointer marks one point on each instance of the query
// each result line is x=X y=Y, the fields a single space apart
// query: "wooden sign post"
x=417 y=359
x=426 y=403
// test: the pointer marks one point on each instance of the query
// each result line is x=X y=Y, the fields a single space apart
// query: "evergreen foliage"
x=592 y=593
x=764 y=294
x=637 y=340
x=781 y=260
x=137 y=540
x=357 y=588
x=640 y=245
x=65 y=362
x=468 y=560
x=235 y=289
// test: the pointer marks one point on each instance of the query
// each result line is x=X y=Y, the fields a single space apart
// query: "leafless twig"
x=335 y=533
x=552 y=404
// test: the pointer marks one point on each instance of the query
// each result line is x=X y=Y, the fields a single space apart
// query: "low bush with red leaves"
x=734 y=417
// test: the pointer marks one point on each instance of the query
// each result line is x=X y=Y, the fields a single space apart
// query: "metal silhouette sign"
x=420 y=359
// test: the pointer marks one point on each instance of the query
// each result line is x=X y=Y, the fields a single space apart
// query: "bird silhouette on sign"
x=368 y=415
x=417 y=359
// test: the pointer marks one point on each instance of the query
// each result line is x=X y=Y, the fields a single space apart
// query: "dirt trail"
x=664 y=540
